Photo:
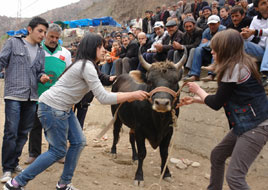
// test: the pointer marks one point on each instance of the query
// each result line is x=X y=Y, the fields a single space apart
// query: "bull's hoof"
x=135 y=162
x=135 y=158
x=113 y=156
x=168 y=179
x=138 y=183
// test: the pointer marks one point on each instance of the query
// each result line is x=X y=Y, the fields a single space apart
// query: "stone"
x=174 y=160
x=181 y=165
x=196 y=164
x=207 y=176
x=187 y=162
x=96 y=182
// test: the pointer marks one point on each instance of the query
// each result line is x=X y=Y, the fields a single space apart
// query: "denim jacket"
x=21 y=76
x=248 y=106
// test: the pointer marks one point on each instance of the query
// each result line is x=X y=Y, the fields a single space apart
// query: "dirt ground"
x=97 y=170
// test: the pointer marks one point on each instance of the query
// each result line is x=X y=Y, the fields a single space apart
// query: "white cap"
x=213 y=19
x=159 y=24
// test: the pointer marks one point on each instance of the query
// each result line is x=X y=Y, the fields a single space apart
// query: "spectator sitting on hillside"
x=191 y=39
x=259 y=30
x=147 y=24
x=128 y=58
x=239 y=19
x=225 y=17
x=108 y=67
x=164 y=14
x=144 y=43
x=170 y=42
x=204 y=51
x=149 y=56
x=157 y=13
x=202 y=23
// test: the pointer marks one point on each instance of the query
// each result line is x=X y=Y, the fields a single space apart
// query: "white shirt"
x=260 y=24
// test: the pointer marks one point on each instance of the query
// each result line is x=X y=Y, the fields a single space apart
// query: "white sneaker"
x=6 y=177
x=18 y=169
x=66 y=187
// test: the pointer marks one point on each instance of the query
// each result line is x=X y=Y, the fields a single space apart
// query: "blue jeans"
x=264 y=63
x=254 y=50
x=19 y=120
x=59 y=126
x=199 y=53
x=108 y=68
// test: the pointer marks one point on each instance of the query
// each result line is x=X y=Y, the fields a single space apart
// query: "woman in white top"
x=58 y=120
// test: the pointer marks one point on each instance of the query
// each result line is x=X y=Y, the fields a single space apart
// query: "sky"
x=30 y=8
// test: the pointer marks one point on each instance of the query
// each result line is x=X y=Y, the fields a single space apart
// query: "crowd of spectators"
x=171 y=28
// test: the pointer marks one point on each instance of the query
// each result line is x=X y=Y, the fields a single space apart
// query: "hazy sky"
x=30 y=8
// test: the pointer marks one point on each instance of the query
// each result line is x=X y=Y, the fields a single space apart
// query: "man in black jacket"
x=191 y=39
x=169 y=44
x=147 y=24
x=128 y=57
x=164 y=14
x=239 y=20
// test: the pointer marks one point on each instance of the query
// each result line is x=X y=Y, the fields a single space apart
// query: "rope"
x=174 y=118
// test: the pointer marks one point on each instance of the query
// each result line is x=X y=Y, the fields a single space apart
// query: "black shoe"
x=9 y=186
x=264 y=80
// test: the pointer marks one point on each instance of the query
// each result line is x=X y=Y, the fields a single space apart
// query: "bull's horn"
x=181 y=62
x=144 y=64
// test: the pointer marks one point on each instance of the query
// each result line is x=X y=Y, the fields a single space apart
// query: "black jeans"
x=19 y=119
x=35 y=138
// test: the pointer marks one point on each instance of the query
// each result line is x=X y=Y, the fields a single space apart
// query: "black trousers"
x=35 y=138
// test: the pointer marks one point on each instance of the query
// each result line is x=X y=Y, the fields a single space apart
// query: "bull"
x=151 y=120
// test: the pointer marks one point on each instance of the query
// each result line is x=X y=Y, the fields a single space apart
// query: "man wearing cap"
x=200 y=5
x=169 y=43
x=202 y=23
x=191 y=38
x=149 y=56
x=203 y=50
x=151 y=52
x=132 y=36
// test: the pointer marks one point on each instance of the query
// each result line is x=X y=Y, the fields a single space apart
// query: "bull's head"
x=163 y=74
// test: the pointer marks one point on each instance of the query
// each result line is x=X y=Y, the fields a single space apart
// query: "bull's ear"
x=137 y=76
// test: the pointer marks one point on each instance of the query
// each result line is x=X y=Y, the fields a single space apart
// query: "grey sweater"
x=73 y=85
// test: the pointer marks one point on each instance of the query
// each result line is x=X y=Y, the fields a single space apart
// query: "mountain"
x=120 y=10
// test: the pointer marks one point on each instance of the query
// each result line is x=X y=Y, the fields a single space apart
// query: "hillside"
x=119 y=9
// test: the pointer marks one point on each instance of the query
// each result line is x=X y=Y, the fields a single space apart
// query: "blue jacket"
x=247 y=107
x=208 y=35
x=21 y=76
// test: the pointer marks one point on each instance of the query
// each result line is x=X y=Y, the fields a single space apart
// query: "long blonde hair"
x=229 y=47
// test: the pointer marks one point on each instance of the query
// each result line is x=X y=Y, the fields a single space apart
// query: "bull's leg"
x=164 y=153
x=132 y=142
x=141 y=155
x=116 y=131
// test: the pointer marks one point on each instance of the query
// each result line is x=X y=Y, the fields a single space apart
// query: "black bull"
x=150 y=120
